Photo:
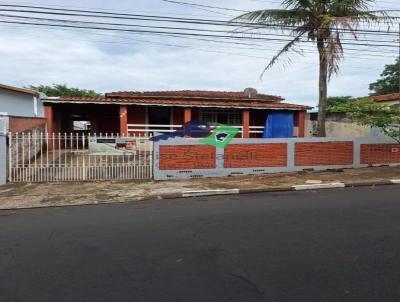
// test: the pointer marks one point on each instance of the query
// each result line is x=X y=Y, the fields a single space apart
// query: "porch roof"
x=179 y=102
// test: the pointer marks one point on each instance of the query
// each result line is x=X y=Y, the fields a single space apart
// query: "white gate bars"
x=49 y=157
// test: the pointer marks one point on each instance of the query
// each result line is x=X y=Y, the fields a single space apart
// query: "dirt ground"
x=30 y=195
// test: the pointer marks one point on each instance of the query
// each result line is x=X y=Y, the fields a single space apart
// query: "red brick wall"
x=380 y=154
x=299 y=121
x=48 y=115
x=324 y=153
x=177 y=115
x=255 y=155
x=21 y=124
x=187 y=157
x=136 y=115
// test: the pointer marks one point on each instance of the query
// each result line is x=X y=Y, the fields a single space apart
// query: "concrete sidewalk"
x=13 y=196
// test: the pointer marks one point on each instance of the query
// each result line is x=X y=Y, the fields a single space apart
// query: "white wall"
x=337 y=127
x=19 y=104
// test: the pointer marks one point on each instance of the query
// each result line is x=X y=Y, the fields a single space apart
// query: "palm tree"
x=323 y=22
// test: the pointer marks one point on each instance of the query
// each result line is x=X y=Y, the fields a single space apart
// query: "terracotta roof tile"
x=21 y=90
x=180 y=102
x=197 y=94
x=386 y=97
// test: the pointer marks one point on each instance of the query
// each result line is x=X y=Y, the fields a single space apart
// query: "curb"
x=282 y=189
x=236 y=191
x=319 y=186
x=210 y=192
x=369 y=183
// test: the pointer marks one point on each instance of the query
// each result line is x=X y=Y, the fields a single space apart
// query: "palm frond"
x=324 y=22
x=333 y=53
x=288 y=47
x=278 y=16
x=297 y=4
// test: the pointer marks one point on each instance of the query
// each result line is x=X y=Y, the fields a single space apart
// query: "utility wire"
x=179 y=33
x=170 y=28
x=240 y=10
x=305 y=48
x=208 y=6
x=104 y=14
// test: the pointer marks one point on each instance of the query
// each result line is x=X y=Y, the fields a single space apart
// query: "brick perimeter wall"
x=324 y=153
x=380 y=154
x=255 y=155
x=21 y=124
x=183 y=158
x=187 y=157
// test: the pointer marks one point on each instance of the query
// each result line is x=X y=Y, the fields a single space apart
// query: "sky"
x=107 y=61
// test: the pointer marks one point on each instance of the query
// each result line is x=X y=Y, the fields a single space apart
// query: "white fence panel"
x=45 y=157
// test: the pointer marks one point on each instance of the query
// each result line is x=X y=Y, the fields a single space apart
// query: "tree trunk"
x=323 y=88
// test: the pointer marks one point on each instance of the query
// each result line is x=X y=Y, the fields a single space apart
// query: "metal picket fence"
x=52 y=157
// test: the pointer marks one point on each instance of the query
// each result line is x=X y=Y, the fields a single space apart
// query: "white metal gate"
x=49 y=157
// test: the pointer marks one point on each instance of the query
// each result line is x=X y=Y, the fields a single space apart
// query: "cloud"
x=112 y=62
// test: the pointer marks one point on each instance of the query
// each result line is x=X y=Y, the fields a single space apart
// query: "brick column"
x=123 y=120
x=246 y=123
x=48 y=115
x=301 y=120
x=187 y=115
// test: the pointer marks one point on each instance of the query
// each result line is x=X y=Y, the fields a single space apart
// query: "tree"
x=333 y=102
x=389 y=81
x=321 y=21
x=367 y=112
x=63 y=90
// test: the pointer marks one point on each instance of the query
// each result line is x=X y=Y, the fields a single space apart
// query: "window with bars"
x=221 y=116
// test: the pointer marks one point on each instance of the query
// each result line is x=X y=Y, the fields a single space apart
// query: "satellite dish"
x=250 y=92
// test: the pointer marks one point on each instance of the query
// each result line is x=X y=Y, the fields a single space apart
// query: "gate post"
x=3 y=159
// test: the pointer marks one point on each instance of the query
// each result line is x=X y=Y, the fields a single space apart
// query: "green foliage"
x=63 y=90
x=335 y=101
x=389 y=81
x=366 y=112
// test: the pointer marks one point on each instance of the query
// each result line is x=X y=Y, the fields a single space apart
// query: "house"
x=392 y=100
x=336 y=125
x=141 y=113
x=340 y=125
x=20 y=109
x=21 y=102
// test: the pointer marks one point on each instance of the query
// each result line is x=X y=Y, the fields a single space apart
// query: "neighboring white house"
x=20 y=102
x=20 y=109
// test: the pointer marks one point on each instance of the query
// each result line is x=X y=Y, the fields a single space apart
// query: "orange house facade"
x=144 y=113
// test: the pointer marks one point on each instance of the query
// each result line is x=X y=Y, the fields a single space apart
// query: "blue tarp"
x=279 y=124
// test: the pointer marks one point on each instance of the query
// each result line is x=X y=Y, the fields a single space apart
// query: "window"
x=221 y=116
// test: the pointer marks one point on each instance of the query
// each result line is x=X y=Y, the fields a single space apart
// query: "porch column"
x=123 y=120
x=246 y=123
x=48 y=115
x=301 y=120
x=187 y=115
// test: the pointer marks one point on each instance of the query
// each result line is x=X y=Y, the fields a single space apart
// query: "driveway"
x=328 y=245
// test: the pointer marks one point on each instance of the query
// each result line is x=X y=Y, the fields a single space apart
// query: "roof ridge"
x=179 y=102
x=20 y=90
x=193 y=94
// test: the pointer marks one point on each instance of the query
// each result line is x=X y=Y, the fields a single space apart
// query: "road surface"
x=328 y=245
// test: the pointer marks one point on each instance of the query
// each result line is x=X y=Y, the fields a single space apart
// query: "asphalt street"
x=327 y=245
